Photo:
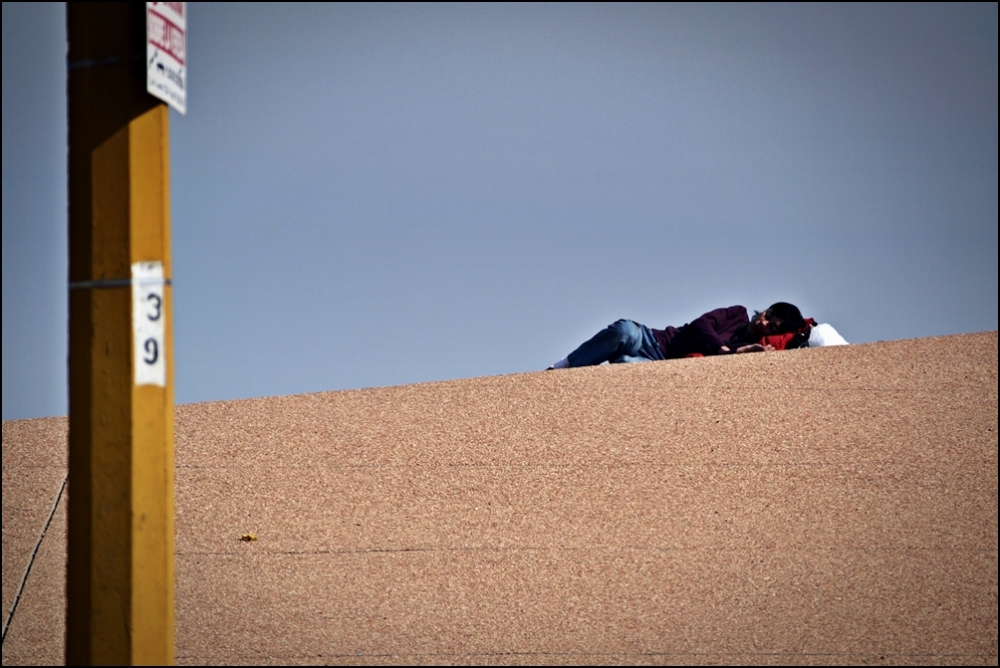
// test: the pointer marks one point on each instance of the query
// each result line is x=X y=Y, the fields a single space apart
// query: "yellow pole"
x=120 y=571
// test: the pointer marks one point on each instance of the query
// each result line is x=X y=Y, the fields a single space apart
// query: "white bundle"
x=825 y=335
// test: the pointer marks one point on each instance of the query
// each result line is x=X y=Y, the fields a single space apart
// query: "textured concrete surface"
x=805 y=507
x=34 y=471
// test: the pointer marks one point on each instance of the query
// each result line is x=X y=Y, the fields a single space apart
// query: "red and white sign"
x=166 y=52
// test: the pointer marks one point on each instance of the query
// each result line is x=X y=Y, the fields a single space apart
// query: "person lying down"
x=724 y=331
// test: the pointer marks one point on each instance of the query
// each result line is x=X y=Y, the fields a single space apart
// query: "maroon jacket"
x=706 y=334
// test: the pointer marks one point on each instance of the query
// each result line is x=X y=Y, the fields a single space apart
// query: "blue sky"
x=369 y=195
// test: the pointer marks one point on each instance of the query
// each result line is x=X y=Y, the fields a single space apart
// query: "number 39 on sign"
x=148 y=326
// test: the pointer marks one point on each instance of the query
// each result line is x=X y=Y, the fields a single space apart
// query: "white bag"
x=825 y=335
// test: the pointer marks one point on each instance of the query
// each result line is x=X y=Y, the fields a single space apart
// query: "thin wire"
x=34 y=553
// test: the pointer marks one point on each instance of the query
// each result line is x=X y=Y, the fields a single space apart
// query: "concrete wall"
x=817 y=506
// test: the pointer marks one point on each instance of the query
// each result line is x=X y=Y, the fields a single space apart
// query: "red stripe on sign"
x=166 y=35
x=177 y=7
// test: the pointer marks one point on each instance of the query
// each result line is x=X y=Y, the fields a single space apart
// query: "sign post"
x=120 y=566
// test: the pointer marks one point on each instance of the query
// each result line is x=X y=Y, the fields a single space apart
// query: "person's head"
x=779 y=318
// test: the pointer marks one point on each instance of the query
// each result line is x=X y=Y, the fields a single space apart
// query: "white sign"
x=166 y=48
x=148 y=314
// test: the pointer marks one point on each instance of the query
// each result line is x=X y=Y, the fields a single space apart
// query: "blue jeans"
x=620 y=342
